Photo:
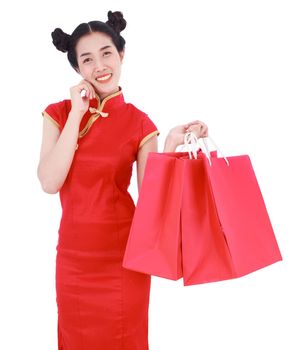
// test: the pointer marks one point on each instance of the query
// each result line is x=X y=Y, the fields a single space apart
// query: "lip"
x=104 y=75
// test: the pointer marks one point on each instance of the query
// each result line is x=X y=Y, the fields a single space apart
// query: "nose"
x=99 y=65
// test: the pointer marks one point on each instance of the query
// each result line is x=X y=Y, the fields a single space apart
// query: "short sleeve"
x=54 y=112
x=148 y=130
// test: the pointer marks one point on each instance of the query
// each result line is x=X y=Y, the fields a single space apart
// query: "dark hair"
x=67 y=43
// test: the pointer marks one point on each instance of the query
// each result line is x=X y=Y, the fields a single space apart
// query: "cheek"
x=117 y=68
x=86 y=72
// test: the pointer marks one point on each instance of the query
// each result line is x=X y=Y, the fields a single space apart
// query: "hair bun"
x=116 y=21
x=61 y=40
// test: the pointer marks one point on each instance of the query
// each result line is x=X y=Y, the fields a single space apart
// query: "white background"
x=231 y=64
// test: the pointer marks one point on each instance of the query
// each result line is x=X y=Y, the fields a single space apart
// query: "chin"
x=108 y=88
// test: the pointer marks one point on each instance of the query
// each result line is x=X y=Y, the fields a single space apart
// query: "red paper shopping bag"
x=203 y=219
x=174 y=202
x=154 y=242
x=205 y=253
x=240 y=214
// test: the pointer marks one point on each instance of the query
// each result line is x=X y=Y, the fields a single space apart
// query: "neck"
x=105 y=94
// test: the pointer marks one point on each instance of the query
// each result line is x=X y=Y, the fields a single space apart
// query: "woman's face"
x=97 y=56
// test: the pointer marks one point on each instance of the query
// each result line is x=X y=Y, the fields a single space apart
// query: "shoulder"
x=140 y=117
x=135 y=111
x=147 y=128
x=60 y=105
x=57 y=112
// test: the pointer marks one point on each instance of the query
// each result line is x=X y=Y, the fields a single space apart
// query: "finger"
x=202 y=124
x=91 y=92
x=203 y=131
x=84 y=84
x=199 y=130
x=196 y=132
x=91 y=89
x=88 y=91
x=193 y=123
x=83 y=93
x=194 y=127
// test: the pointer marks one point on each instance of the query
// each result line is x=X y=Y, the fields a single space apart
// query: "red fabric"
x=101 y=305
x=200 y=222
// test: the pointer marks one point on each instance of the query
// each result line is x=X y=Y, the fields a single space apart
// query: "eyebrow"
x=89 y=53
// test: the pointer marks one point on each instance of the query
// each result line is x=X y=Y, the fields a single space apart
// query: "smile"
x=104 y=78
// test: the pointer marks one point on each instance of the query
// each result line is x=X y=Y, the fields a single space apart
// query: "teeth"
x=104 y=78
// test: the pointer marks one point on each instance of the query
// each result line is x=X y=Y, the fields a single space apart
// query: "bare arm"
x=170 y=144
x=57 y=149
x=57 y=152
x=151 y=145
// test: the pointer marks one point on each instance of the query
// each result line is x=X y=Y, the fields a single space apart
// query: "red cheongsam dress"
x=101 y=305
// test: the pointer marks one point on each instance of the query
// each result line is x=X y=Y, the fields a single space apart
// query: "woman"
x=88 y=149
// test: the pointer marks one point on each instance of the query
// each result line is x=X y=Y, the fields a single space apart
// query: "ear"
x=121 y=54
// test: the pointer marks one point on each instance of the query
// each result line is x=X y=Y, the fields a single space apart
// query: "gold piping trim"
x=47 y=115
x=95 y=116
x=156 y=132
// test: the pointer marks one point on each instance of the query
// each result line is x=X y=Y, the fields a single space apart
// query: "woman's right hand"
x=80 y=104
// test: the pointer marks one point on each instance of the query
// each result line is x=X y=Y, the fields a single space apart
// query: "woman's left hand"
x=177 y=133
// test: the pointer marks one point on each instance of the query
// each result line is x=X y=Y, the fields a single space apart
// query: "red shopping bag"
x=154 y=242
x=238 y=209
x=203 y=219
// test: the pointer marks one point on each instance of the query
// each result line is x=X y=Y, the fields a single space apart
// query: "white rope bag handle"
x=194 y=145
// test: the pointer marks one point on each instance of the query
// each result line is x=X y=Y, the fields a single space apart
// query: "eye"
x=86 y=60
x=107 y=52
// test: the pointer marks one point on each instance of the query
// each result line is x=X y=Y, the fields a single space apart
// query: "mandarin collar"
x=98 y=107
x=108 y=103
